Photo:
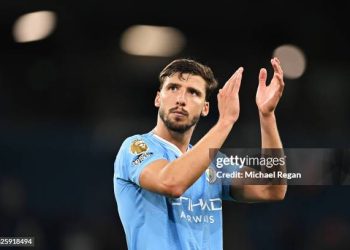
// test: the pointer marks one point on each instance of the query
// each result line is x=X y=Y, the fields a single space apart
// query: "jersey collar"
x=169 y=144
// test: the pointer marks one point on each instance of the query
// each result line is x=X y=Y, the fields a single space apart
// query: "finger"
x=225 y=86
x=262 y=77
x=278 y=60
x=278 y=73
x=233 y=79
x=229 y=82
x=280 y=81
x=229 y=85
x=234 y=74
x=219 y=93
x=276 y=64
x=279 y=66
x=237 y=82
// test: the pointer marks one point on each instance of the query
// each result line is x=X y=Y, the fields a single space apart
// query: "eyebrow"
x=197 y=91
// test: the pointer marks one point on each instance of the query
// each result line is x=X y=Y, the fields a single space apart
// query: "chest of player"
x=200 y=197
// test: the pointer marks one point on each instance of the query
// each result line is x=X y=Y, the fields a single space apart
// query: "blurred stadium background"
x=77 y=77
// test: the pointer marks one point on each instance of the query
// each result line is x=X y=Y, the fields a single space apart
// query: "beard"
x=175 y=126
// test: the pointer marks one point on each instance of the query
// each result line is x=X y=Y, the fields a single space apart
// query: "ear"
x=157 y=100
x=205 y=109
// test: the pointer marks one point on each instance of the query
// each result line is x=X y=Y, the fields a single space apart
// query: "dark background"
x=67 y=102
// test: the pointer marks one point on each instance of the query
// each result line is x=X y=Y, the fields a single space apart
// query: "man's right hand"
x=228 y=99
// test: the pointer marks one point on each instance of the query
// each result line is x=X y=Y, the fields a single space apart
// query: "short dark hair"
x=188 y=66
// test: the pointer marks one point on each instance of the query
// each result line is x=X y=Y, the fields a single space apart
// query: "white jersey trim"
x=172 y=146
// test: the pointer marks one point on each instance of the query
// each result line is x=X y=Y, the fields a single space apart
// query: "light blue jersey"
x=152 y=221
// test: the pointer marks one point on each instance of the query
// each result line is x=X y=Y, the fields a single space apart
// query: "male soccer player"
x=166 y=199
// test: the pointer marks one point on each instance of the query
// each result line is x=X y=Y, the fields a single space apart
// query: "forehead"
x=187 y=79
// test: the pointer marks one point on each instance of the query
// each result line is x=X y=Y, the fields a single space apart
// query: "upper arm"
x=132 y=159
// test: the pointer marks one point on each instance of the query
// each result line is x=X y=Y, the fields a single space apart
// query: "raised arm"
x=267 y=98
x=174 y=178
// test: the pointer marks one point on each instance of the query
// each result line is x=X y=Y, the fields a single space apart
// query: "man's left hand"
x=267 y=97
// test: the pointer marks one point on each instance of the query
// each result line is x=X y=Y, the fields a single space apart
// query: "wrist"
x=268 y=122
x=224 y=124
x=267 y=116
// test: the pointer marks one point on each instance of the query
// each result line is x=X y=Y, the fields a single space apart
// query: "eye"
x=173 y=88
x=193 y=92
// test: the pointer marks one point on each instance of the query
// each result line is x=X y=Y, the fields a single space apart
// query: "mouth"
x=179 y=112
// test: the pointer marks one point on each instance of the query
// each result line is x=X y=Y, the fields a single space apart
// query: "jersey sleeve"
x=136 y=153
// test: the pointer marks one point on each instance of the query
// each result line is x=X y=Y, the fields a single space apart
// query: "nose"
x=181 y=98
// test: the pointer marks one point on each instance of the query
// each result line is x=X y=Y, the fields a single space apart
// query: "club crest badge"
x=210 y=175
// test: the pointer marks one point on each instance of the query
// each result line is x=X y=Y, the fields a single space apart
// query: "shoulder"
x=137 y=144
x=131 y=149
x=140 y=144
x=135 y=153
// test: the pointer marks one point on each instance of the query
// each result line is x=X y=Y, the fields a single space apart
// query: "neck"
x=180 y=140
